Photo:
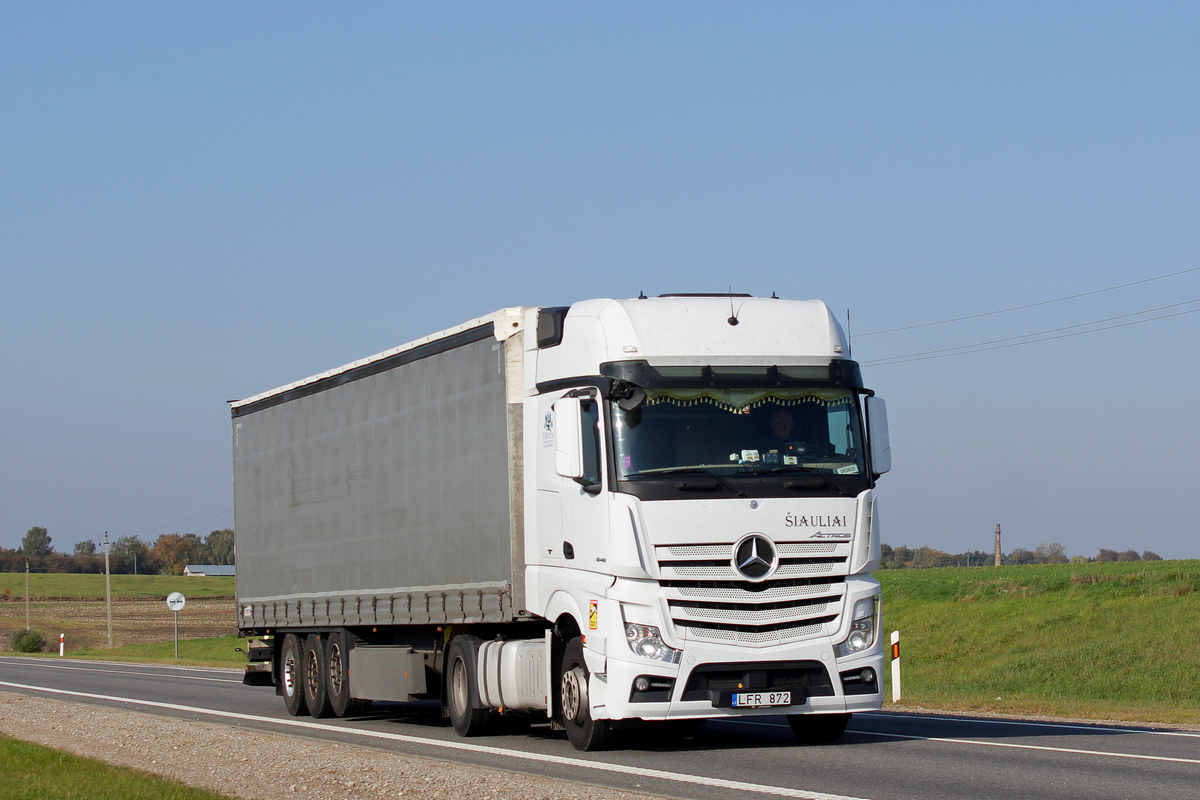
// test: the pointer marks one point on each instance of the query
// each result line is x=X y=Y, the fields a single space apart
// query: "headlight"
x=646 y=641
x=862 y=629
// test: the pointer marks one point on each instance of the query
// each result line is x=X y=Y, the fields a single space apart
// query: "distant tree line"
x=167 y=555
x=903 y=557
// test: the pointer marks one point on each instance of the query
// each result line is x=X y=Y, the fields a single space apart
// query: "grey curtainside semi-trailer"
x=596 y=516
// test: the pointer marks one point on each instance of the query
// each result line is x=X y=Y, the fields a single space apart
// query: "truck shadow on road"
x=761 y=732
x=961 y=726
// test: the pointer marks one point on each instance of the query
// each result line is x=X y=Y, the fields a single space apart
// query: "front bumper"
x=701 y=685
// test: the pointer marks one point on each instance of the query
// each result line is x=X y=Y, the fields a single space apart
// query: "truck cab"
x=700 y=505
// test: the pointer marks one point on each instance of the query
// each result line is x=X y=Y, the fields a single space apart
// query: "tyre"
x=291 y=670
x=337 y=672
x=316 y=678
x=818 y=728
x=585 y=733
x=462 y=688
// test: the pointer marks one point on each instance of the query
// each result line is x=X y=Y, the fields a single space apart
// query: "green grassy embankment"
x=1100 y=641
x=33 y=772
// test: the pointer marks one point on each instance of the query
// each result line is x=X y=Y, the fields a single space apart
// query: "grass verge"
x=214 y=652
x=34 y=772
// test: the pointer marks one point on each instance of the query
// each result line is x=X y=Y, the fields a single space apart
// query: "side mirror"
x=568 y=437
x=877 y=432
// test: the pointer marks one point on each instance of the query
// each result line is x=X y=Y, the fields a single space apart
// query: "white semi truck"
x=598 y=516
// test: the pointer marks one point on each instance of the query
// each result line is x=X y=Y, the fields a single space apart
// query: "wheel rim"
x=289 y=674
x=458 y=687
x=312 y=675
x=335 y=669
x=574 y=694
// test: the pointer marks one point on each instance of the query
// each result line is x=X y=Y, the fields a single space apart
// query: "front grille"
x=712 y=600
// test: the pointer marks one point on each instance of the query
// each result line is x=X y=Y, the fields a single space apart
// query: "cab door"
x=583 y=494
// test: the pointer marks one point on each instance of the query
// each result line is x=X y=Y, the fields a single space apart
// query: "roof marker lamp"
x=646 y=641
x=862 y=629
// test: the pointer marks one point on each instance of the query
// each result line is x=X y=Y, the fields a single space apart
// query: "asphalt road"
x=883 y=756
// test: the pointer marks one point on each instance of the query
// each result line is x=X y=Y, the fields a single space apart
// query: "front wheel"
x=584 y=732
x=818 y=728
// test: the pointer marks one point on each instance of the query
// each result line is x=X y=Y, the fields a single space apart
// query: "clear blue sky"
x=199 y=202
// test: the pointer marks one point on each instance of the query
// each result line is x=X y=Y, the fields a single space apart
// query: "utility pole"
x=107 y=590
x=998 y=551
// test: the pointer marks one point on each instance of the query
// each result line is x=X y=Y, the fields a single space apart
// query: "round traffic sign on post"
x=175 y=602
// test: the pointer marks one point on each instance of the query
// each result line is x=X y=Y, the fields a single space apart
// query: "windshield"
x=740 y=432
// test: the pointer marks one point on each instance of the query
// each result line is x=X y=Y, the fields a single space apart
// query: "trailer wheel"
x=818 y=728
x=462 y=688
x=584 y=732
x=337 y=671
x=316 y=677
x=291 y=672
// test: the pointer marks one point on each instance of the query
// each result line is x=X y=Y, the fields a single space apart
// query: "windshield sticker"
x=791 y=460
x=850 y=470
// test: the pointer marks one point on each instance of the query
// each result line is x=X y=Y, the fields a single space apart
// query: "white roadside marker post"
x=895 y=666
x=62 y=643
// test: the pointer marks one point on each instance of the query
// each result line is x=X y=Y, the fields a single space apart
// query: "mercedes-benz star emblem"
x=755 y=557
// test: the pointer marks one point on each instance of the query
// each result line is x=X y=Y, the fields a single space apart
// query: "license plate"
x=749 y=699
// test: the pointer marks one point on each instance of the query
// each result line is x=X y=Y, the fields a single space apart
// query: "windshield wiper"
x=706 y=471
x=821 y=477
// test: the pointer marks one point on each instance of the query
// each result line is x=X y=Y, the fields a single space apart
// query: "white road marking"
x=1034 y=724
x=1033 y=747
x=779 y=791
x=122 y=671
x=998 y=744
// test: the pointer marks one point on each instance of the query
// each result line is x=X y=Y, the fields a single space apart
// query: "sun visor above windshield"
x=840 y=373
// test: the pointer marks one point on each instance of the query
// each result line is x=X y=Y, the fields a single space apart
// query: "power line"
x=1030 y=305
x=905 y=359
x=192 y=518
x=968 y=347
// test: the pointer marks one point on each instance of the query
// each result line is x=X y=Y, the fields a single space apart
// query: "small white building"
x=209 y=571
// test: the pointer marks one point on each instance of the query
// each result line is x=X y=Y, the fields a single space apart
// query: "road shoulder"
x=256 y=765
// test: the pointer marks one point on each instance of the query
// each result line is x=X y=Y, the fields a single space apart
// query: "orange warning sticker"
x=593 y=613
